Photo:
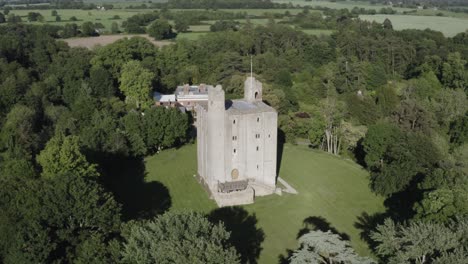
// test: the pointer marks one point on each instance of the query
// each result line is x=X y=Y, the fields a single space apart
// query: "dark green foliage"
x=387 y=24
x=102 y=135
x=2 y=18
x=55 y=221
x=70 y=68
x=160 y=29
x=34 y=16
x=421 y=242
x=164 y=128
x=182 y=24
x=223 y=25
x=459 y=131
x=386 y=100
x=88 y=29
x=395 y=159
x=12 y=18
x=363 y=109
x=70 y=30
x=180 y=237
x=20 y=129
x=114 y=56
x=101 y=83
x=114 y=28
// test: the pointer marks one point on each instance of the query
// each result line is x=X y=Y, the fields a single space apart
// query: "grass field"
x=95 y=16
x=330 y=188
x=450 y=26
x=317 y=32
x=339 y=4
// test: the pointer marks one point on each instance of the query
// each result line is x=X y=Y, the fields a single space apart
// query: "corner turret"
x=252 y=90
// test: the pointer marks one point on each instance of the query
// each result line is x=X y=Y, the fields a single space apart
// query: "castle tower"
x=252 y=90
x=216 y=136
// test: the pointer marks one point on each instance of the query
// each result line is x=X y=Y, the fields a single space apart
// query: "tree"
x=377 y=141
x=88 y=29
x=387 y=24
x=136 y=84
x=19 y=129
x=54 y=13
x=164 y=128
x=113 y=56
x=12 y=18
x=59 y=220
x=135 y=129
x=58 y=18
x=16 y=163
x=34 y=16
x=62 y=155
x=454 y=74
x=421 y=242
x=115 y=28
x=223 y=25
x=70 y=30
x=177 y=237
x=73 y=18
x=2 y=18
x=6 y=10
x=325 y=247
x=160 y=29
x=103 y=134
x=181 y=24
x=101 y=83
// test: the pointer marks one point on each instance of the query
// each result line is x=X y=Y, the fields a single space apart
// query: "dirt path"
x=91 y=42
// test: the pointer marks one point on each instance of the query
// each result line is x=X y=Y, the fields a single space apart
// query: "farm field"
x=317 y=32
x=92 y=42
x=191 y=35
x=95 y=16
x=338 y=5
x=450 y=26
x=107 y=17
x=330 y=188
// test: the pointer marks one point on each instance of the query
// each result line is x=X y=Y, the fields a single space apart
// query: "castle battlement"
x=237 y=144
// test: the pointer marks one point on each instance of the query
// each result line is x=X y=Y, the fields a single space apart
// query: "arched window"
x=234 y=174
x=234 y=151
x=256 y=95
x=258 y=119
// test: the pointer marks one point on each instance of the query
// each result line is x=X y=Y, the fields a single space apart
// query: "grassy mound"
x=333 y=193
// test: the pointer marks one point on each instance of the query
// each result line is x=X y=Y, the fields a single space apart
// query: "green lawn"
x=450 y=26
x=329 y=187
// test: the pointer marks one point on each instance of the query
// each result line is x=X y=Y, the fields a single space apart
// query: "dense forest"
x=72 y=121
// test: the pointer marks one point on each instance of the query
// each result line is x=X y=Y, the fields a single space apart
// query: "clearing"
x=92 y=42
x=332 y=191
x=449 y=26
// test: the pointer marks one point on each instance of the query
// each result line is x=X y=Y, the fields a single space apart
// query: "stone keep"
x=237 y=144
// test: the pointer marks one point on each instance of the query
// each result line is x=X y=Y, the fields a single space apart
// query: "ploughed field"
x=332 y=191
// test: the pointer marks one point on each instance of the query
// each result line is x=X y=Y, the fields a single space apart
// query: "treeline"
x=218 y=4
x=393 y=101
x=416 y=3
x=68 y=118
